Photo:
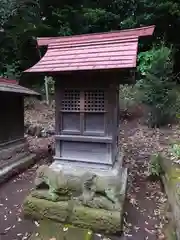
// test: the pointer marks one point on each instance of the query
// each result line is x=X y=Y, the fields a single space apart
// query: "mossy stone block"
x=36 y=208
x=79 y=215
x=50 y=230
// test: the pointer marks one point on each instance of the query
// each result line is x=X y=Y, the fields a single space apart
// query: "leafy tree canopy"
x=21 y=21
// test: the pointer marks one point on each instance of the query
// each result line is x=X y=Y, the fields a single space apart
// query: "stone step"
x=50 y=230
x=16 y=167
x=13 y=159
x=9 y=150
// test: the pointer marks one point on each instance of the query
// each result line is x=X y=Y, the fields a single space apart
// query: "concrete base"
x=80 y=168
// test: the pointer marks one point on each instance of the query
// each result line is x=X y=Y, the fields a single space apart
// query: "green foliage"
x=145 y=60
x=128 y=96
x=155 y=168
x=41 y=87
x=19 y=27
x=11 y=71
x=157 y=85
x=175 y=153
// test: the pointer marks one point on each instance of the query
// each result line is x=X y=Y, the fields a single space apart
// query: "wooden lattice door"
x=83 y=112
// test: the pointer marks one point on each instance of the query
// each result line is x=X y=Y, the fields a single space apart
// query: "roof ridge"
x=139 y=32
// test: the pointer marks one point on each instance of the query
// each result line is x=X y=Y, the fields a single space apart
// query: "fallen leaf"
x=150 y=231
x=133 y=201
x=7 y=229
x=36 y=223
x=19 y=219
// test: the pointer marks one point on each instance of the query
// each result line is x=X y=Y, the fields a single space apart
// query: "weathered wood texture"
x=86 y=118
x=12 y=117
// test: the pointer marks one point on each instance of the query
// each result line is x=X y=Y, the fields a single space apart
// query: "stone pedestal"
x=88 y=198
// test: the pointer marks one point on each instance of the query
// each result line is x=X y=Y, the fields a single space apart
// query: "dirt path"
x=145 y=198
x=12 y=194
x=142 y=219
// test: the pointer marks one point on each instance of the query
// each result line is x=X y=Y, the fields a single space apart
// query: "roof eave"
x=142 y=32
x=19 y=90
x=31 y=70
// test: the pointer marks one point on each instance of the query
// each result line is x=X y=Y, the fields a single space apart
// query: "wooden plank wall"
x=111 y=101
x=11 y=117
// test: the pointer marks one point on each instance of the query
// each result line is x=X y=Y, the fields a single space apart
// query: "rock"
x=38 y=130
x=44 y=194
x=43 y=133
x=31 y=130
x=26 y=127
x=91 y=189
x=96 y=219
x=80 y=216
x=83 y=199
x=51 y=132
x=50 y=230
x=36 y=209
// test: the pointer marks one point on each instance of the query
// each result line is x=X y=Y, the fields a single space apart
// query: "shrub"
x=157 y=86
x=175 y=153
x=155 y=168
x=128 y=101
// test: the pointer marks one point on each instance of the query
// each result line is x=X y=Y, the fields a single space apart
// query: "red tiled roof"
x=7 y=85
x=110 y=50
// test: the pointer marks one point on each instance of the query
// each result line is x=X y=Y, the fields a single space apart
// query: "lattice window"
x=71 y=100
x=94 y=101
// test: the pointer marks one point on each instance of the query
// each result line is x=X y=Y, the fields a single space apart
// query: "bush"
x=128 y=101
x=158 y=86
x=155 y=168
x=175 y=153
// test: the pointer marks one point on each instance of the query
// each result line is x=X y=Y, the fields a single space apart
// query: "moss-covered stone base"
x=50 y=230
x=171 y=180
x=78 y=215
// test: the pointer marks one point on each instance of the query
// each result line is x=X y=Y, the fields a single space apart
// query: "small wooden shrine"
x=12 y=110
x=13 y=144
x=86 y=184
x=88 y=70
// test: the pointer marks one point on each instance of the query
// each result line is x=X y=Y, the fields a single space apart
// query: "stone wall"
x=171 y=180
